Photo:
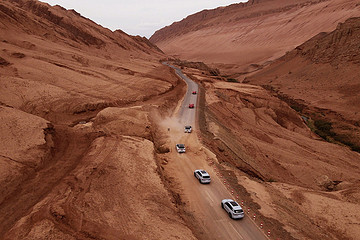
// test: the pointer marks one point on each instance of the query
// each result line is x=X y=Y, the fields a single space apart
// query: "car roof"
x=235 y=205
x=203 y=172
x=232 y=202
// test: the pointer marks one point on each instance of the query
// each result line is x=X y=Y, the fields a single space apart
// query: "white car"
x=202 y=175
x=188 y=129
x=180 y=148
x=232 y=208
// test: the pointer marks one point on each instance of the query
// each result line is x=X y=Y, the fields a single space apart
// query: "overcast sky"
x=138 y=17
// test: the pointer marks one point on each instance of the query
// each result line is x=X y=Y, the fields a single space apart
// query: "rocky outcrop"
x=341 y=45
x=324 y=74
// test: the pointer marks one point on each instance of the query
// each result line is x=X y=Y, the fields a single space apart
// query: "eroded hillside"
x=77 y=104
x=241 y=36
x=320 y=79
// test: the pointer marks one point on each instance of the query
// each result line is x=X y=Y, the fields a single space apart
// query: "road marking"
x=225 y=224
x=239 y=234
x=210 y=197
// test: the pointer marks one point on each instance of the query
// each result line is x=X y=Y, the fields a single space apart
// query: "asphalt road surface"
x=185 y=114
x=204 y=201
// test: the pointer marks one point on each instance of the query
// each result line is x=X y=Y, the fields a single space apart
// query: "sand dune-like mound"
x=251 y=33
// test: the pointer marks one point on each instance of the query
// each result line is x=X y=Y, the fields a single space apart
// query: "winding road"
x=204 y=201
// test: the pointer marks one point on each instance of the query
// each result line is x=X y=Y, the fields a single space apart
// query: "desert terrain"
x=77 y=129
x=320 y=79
x=284 y=129
x=90 y=117
x=239 y=37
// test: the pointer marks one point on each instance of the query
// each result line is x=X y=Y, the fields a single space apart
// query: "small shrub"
x=323 y=129
x=297 y=108
x=232 y=80
x=271 y=180
x=310 y=124
x=346 y=140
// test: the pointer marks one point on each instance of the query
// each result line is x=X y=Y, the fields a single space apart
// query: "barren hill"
x=255 y=32
x=321 y=79
x=75 y=108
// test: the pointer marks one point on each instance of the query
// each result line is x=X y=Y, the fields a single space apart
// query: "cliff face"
x=322 y=76
x=339 y=46
x=251 y=33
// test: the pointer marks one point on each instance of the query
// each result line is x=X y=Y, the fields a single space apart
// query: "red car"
x=191 y=105
x=194 y=92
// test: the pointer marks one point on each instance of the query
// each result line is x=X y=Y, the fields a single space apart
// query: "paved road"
x=186 y=115
x=204 y=200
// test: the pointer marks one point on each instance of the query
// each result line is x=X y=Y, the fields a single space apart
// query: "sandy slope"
x=237 y=36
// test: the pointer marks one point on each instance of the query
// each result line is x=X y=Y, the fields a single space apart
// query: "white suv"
x=232 y=208
x=188 y=129
x=180 y=148
x=202 y=175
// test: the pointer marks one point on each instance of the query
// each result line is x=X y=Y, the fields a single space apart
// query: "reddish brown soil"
x=77 y=154
x=82 y=141
x=320 y=79
x=241 y=36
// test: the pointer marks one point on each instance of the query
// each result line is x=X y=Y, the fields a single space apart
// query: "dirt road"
x=203 y=201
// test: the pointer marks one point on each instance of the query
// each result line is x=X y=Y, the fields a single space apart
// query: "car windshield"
x=181 y=146
x=234 y=204
x=206 y=176
x=187 y=127
x=238 y=211
x=203 y=171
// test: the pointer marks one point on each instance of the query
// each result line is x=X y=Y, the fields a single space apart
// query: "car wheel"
x=222 y=205
x=194 y=174
x=230 y=215
x=200 y=181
